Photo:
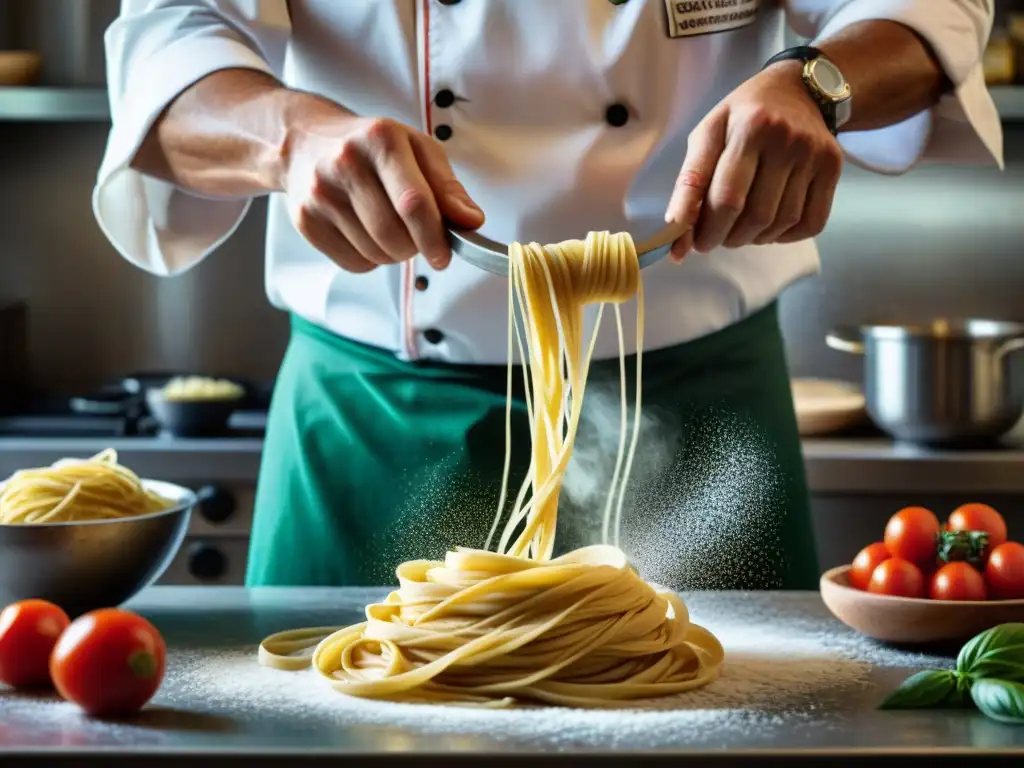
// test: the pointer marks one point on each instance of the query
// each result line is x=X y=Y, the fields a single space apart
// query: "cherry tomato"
x=1004 y=572
x=28 y=632
x=957 y=581
x=109 y=662
x=911 y=535
x=865 y=562
x=897 y=577
x=979 y=517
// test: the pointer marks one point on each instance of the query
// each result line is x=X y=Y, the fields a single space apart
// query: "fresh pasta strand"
x=493 y=628
x=77 y=490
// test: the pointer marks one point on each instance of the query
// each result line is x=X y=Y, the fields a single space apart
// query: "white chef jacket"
x=559 y=117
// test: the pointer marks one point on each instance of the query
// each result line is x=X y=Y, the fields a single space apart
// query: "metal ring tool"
x=492 y=257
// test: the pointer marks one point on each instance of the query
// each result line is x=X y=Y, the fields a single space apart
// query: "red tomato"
x=897 y=577
x=109 y=662
x=979 y=517
x=911 y=535
x=28 y=632
x=865 y=562
x=1004 y=571
x=957 y=581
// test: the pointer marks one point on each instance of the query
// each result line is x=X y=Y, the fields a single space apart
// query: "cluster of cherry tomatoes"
x=109 y=662
x=967 y=558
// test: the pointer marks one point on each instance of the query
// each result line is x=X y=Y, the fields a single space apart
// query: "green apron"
x=370 y=461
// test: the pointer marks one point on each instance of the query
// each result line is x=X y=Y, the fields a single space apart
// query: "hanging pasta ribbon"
x=490 y=628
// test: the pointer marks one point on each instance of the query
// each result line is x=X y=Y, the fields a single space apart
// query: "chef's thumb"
x=454 y=203
x=458 y=207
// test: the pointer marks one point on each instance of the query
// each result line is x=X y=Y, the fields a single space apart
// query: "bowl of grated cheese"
x=193 y=406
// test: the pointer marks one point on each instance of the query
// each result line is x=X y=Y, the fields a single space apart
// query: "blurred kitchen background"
x=940 y=241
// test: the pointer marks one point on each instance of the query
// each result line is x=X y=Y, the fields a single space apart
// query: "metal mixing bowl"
x=97 y=564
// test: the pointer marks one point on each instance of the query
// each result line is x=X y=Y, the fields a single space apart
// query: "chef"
x=368 y=123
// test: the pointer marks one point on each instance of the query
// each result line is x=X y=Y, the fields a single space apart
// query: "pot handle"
x=842 y=342
x=1008 y=347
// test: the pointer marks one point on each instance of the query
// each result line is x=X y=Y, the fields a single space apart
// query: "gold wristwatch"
x=823 y=81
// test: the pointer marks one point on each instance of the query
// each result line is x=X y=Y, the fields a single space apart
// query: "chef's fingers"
x=728 y=193
x=365 y=213
x=764 y=199
x=791 y=207
x=682 y=246
x=326 y=238
x=456 y=206
x=407 y=188
x=703 y=150
x=354 y=200
x=455 y=203
x=817 y=206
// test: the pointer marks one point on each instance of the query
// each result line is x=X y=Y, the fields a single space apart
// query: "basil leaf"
x=1001 y=700
x=924 y=690
x=996 y=652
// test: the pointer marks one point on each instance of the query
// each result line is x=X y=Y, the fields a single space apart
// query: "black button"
x=433 y=335
x=444 y=98
x=617 y=115
x=449 y=2
x=443 y=132
x=422 y=283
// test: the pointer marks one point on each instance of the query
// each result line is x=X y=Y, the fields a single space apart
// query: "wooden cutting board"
x=825 y=407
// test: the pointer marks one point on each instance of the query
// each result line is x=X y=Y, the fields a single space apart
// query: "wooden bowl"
x=909 y=619
x=19 y=67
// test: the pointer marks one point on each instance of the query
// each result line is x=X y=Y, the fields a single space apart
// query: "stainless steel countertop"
x=184 y=723
x=834 y=465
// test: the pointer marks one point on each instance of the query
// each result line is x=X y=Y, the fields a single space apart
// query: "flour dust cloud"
x=704 y=500
x=703 y=504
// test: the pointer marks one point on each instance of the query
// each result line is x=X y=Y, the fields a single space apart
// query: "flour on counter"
x=775 y=672
x=790 y=671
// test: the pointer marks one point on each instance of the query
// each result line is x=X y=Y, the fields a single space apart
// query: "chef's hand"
x=371 y=191
x=761 y=167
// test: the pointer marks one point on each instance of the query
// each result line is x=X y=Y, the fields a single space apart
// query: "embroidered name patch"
x=702 y=17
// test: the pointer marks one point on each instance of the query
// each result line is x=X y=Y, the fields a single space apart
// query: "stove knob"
x=206 y=562
x=215 y=504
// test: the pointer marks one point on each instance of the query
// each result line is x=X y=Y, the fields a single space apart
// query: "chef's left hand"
x=761 y=167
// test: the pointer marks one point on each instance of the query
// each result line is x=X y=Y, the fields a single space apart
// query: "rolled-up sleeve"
x=155 y=50
x=964 y=127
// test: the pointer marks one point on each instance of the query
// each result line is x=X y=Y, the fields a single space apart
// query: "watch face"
x=828 y=77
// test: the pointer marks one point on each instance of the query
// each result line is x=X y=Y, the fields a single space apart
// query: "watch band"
x=802 y=53
x=806 y=53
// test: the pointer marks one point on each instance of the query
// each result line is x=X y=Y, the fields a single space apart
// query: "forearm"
x=228 y=134
x=893 y=73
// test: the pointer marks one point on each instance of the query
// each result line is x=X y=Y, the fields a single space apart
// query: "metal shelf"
x=42 y=104
x=1010 y=101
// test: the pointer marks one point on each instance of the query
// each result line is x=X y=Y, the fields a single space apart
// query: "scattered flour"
x=786 y=669
x=779 y=670
x=706 y=499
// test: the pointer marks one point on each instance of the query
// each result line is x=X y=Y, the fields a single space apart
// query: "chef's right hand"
x=371 y=191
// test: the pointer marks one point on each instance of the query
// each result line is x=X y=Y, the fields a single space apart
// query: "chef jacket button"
x=449 y=2
x=617 y=115
x=433 y=335
x=444 y=98
x=422 y=283
x=443 y=132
